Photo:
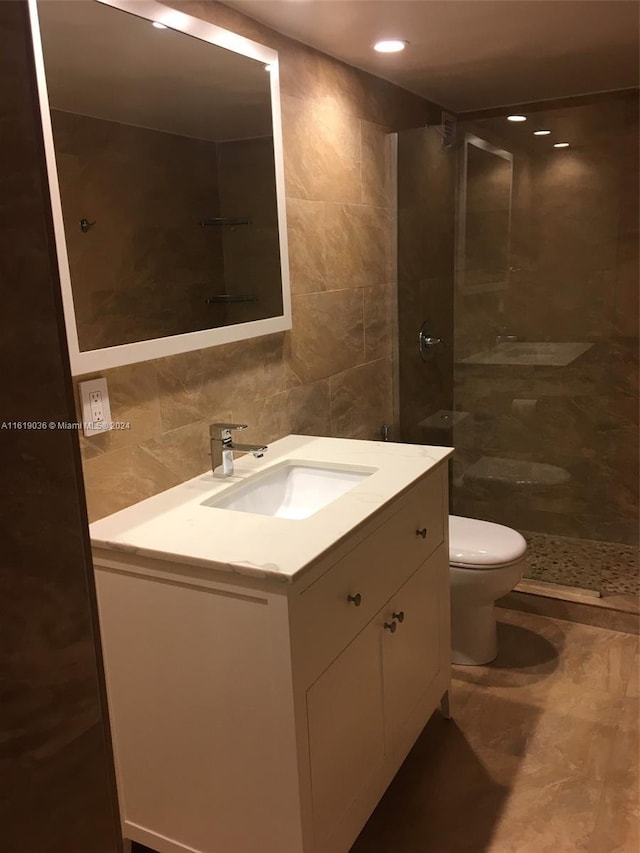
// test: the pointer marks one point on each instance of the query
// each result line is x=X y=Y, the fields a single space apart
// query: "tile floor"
x=541 y=756
x=607 y=567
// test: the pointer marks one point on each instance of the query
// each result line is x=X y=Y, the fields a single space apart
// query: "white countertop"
x=175 y=526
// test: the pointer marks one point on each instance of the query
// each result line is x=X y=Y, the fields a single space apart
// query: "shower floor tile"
x=619 y=580
x=606 y=567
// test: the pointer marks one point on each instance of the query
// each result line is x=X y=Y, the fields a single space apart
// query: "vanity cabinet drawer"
x=328 y=614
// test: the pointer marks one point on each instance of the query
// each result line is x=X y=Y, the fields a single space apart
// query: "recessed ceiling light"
x=541 y=132
x=267 y=68
x=390 y=45
x=516 y=118
x=560 y=144
x=159 y=26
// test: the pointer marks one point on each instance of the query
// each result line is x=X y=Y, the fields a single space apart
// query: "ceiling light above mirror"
x=390 y=45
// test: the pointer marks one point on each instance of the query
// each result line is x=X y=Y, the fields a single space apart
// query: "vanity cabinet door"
x=412 y=653
x=346 y=740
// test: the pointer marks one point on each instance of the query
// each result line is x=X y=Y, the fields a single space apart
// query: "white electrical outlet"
x=95 y=401
x=96 y=412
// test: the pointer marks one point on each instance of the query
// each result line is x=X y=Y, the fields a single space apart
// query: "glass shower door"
x=546 y=338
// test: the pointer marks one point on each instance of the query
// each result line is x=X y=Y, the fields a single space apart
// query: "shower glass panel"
x=545 y=366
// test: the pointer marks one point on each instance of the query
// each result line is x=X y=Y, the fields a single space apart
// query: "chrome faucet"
x=223 y=448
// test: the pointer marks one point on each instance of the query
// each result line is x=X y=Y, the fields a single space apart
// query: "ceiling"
x=589 y=127
x=472 y=54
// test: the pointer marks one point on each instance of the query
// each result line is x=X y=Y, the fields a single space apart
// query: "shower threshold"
x=606 y=569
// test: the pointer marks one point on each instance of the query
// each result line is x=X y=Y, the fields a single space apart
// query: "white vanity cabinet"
x=251 y=716
x=368 y=707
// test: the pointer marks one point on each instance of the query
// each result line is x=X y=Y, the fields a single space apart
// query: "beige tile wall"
x=332 y=374
x=426 y=229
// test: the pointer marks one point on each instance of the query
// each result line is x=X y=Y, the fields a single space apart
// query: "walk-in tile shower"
x=518 y=247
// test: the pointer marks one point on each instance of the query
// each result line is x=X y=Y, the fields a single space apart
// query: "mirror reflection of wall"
x=155 y=133
x=488 y=215
x=484 y=223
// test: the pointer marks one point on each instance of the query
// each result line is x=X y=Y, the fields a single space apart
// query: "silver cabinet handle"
x=355 y=599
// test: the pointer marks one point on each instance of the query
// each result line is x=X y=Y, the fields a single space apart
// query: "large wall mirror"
x=483 y=232
x=164 y=149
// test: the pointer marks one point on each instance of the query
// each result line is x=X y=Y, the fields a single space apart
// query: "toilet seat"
x=475 y=544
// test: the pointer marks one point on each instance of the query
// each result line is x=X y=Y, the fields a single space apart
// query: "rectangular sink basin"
x=293 y=490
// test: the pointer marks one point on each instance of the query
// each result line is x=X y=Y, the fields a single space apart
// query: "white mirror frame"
x=100 y=359
x=461 y=224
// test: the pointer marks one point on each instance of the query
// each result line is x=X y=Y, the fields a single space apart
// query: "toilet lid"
x=483 y=544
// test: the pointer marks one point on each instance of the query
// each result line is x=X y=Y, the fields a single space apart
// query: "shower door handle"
x=427 y=344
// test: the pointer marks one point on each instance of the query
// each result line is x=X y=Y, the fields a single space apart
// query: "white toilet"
x=486 y=561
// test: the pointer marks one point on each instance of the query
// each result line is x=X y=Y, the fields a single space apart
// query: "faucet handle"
x=222 y=431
